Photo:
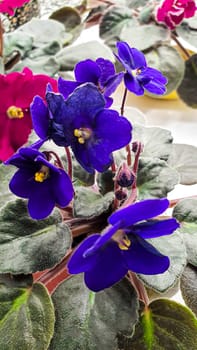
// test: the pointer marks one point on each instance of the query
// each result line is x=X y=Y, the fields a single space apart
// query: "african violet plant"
x=92 y=249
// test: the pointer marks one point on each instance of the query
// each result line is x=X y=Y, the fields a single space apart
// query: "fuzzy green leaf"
x=92 y=321
x=172 y=246
x=113 y=21
x=155 y=178
x=28 y=245
x=143 y=37
x=183 y=158
x=188 y=30
x=6 y=173
x=26 y=316
x=157 y=142
x=89 y=203
x=165 y=325
x=69 y=56
x=188 y=287
x=185 y=212
x=187 y=88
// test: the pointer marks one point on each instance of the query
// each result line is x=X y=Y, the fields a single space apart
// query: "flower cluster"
x=172 y=12
x=73 y=114
x=77 y=115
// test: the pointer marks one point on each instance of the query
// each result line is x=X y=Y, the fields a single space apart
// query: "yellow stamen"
x=82 y=134
x=122 y=240
x=77 y=133
x=124 y=244
x=42 y=175
x=15 y=112
x=81 y=140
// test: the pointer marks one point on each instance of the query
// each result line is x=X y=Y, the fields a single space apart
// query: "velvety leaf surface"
x=167 y=59
x=173 y=246
x=157 y=142
x=165 y=325
x=87 y=321
x=5 y=175
x=27 y=316
x=69 y=56
x=28 y=245
x=155 y=178
x=183 y=158
x=89 y=203
x=188 y=30
x=143 y=37
x=187 y=88
x=188 y=287
x=185 y=212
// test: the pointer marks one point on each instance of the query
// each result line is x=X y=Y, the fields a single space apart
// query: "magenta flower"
x=172 y=12
x=9 y=6
x=17 y=92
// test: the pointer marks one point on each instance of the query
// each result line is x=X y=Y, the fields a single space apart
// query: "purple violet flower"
x=92 y=131
x=105 y=259
x=138 y=76
x=38 y=180
x=100 y=72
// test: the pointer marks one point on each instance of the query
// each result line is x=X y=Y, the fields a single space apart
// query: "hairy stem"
x=139 y=287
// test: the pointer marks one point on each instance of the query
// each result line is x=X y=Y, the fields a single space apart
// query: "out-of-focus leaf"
x=187 y=88
x=69 y=56
x=88 y=321
x=188 y=30
x=43 y=65
x=113 y=21
x=28 y=245
x=70 y=18
x=167 y=59
x=44 y=30
x=19 y=41
x=27 y=315
x=143 y=37
x=184 y=159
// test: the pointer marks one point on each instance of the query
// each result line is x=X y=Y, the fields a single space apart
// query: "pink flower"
x=172 y=12
x=8 y=6
x=17 y=92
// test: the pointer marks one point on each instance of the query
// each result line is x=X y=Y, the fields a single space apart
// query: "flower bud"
x=121 y=194
x=125 y=176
